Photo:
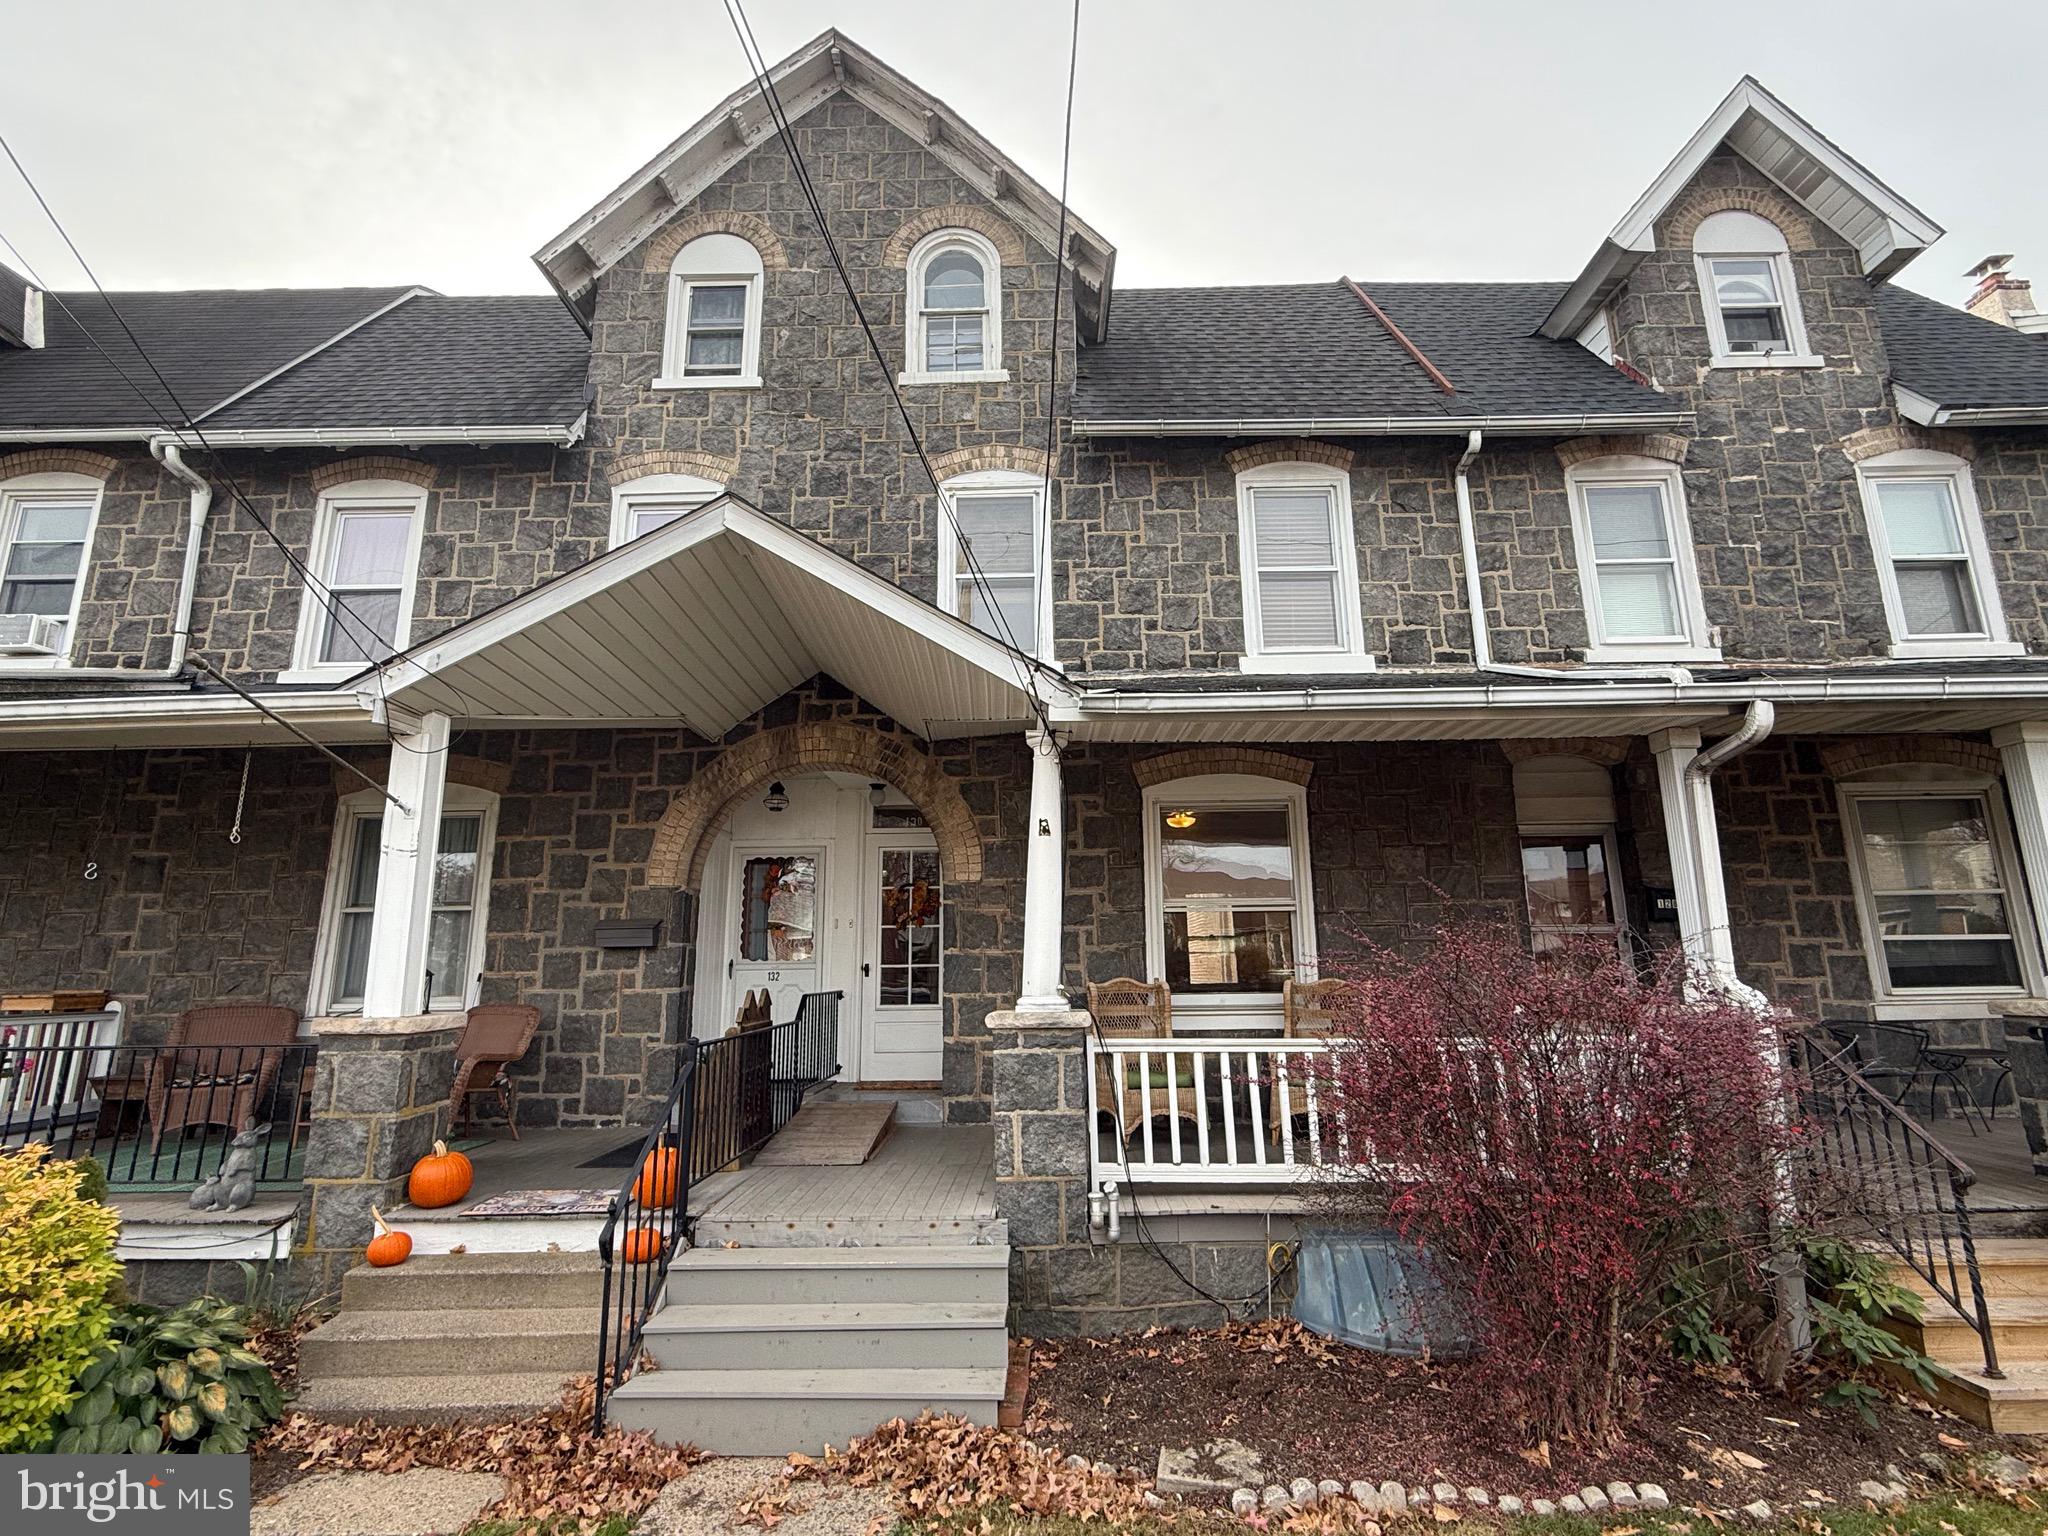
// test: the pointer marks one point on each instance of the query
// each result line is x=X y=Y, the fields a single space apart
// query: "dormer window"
x=714 y=316
x=955 y=329
x=1746 y=288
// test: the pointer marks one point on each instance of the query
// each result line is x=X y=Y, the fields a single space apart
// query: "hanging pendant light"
x=777 y=799
x=1180 y=820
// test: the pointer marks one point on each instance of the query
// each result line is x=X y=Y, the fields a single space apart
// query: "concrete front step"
x=934 y=1273
x=2015 y=1405
x=712 y=1337
x=2010 y=1266
x=775 y=1412
x=433 y=1399
x=486 y=1281
x=2019 y=1327
x=852 y=1232
x=435 y=1342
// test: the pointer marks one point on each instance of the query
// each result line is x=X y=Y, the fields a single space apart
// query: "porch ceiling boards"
x=705 y=621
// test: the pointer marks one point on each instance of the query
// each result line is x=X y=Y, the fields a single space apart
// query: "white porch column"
x=395 y=986
x=1693 y=834
x=2024 y=751
x=1045 y=880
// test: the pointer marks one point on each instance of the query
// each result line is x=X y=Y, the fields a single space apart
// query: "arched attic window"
x=714 y=316
x=1748 y=292
x=954 y=330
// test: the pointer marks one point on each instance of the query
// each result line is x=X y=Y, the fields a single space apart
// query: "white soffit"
x=830 y=63
x=1886 y=230
x=706 y=621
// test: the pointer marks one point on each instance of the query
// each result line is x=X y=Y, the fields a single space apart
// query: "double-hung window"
x=1746 y=283
x=1942 y=914
x=654 y=501
x=1229 y=915
x=714 y=316
x=46 y=529
x=954 y=332
x=1636 y=562
x=358 y=608
x=1300 y=563
x=455 y=924
x=1933 y=563
x=992 y=557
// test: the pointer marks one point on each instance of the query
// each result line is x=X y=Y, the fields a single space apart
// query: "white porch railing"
x=1240 y=1110
x=41 y=1072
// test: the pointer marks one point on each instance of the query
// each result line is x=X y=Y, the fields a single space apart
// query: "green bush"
x=173 y=1381
x=56 y=1266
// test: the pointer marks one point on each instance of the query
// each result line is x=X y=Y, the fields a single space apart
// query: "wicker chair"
x=1310 y=1011
x=234 y=1056
x=1129 y=1009
x=494 y=1036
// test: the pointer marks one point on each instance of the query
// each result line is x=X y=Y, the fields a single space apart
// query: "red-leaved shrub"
x=1560 y=1136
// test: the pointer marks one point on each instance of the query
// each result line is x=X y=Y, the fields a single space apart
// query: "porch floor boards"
x=920 y=1173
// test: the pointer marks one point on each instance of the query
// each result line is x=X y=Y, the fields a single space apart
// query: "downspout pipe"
x=1475 y=598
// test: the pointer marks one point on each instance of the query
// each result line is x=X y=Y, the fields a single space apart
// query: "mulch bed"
x=1317 y=1409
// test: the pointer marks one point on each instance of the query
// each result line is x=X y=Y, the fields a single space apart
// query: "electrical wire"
x=757 y=63
x=1059 y=272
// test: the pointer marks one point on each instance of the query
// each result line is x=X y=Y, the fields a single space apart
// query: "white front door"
x=901 y=970
x=778 y=938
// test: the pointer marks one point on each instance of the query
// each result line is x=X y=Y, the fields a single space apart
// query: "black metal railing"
x=159 y=1118
x=731 y=1094
x=1868 y=1157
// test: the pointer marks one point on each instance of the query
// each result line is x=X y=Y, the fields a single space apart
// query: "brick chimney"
x=2003 y=298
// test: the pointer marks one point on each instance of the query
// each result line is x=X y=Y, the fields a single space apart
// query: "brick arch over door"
x=702 y=807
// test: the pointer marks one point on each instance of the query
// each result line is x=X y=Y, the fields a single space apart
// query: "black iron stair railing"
x=1868 y=1153
x=731 y=1094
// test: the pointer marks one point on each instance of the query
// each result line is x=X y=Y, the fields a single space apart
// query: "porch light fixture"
x=777 y=799
x=1180 y=819
x=877 y=793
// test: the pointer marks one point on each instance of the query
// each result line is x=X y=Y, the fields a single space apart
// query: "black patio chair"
x=1897 y=1059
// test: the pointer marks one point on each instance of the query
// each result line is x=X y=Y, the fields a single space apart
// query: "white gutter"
x=386 y=437
x=1757 y=722
x=29 y=722
x=1380 y=426
x=1475 y=594
x=78 y=434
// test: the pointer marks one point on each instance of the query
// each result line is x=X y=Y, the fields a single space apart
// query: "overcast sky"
x=213 y=143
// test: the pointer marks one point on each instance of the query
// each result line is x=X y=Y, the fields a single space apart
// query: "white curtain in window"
x=1001 y=532
x=1928 y=559
x=1634 y=563
x=1294 y=550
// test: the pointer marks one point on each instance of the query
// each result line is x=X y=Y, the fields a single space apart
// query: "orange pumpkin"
x=387 y=1247
x=440 y=1178
x=640 y=1245
x=656 y=1185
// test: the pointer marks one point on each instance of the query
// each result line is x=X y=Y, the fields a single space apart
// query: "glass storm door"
x=901 y=966
x=778 y=933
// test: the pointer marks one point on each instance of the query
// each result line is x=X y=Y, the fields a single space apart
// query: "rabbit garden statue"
x=234 y=1184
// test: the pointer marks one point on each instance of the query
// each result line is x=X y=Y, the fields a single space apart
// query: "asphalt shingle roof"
x=1302 y=350
x=1956 y=359
x=209 y=343
x=434 y=361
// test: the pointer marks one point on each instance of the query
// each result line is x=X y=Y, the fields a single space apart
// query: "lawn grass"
x=1958 y=1515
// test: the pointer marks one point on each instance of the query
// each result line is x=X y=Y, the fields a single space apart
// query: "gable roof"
x=825 y=66
x=277 y=365
x=1311 y=357
x=1949 y=366
x=209 y=343
x=1886 y=230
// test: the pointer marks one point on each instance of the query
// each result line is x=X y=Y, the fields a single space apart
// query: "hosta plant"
x=173 y=1381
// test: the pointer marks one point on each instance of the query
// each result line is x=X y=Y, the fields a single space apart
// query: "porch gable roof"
x=706 y=621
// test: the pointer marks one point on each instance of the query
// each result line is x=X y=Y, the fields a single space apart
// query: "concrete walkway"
x=423 y=1502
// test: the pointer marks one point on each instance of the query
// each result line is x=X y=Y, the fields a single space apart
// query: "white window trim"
x=1799 y=354
x=1252 y=1011
x=1610 y=846
x=1696 y=644
x=1948 y=1002
x=684 y=493
x=458 y=799
x=1349 y=654
x=914 y=371
x=307 y=667
x=1926 y=464
x=68 y=486
x=682 y=278
x=1014 y=482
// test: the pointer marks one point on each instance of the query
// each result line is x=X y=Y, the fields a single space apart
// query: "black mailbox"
x=628 y=933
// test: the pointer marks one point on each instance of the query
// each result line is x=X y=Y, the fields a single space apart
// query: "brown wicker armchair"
x=494 y=1036
x=1129 y=1009
x=235 y=1052
x=1310 y=1009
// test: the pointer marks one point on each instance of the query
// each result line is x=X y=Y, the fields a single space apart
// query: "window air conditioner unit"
x=30 y=634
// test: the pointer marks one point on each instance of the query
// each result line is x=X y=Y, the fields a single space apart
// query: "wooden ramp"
x=829 y=1135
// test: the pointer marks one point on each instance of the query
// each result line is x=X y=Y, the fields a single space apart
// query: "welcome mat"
x=544 y=1202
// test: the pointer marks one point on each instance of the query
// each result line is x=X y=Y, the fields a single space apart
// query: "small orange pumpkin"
x=656 y=1185
x=641 y=1245
x=440 y=1178
x=387 y=1247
